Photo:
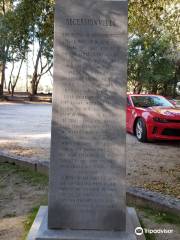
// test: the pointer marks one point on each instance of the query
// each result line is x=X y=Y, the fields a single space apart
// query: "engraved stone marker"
x=87 y=168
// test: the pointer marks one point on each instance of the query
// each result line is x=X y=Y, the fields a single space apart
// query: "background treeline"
x=154 y=46
x=24 y=23
x=154 y=32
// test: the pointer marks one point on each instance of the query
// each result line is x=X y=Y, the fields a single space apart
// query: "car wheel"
x=140 y=130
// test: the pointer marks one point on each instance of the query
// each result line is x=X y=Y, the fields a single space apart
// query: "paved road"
x=25 y=130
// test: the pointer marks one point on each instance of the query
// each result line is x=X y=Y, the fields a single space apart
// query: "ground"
x=25 y=130
x=25 y=133
x=154 y=166
x=23 y=191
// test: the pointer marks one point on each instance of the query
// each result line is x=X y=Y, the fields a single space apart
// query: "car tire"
x=140 y=130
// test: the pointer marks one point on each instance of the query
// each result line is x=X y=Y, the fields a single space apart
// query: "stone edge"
x=135 y=195
x=39 y=226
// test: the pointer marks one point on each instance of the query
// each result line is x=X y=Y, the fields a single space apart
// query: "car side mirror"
x=173 y=102
x=129 y=106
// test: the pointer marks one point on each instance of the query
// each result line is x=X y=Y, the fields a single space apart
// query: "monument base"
x=40 y=231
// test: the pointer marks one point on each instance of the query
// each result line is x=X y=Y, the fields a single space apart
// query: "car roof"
x=129 y=94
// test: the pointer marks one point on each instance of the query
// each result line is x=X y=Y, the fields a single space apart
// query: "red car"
x=152 y=117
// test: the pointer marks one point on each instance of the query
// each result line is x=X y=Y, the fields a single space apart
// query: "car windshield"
x=150 y=101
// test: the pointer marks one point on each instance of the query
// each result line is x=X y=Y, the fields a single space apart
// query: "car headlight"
x=161 y=120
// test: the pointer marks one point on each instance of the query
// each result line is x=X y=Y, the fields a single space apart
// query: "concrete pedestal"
x=40 y=231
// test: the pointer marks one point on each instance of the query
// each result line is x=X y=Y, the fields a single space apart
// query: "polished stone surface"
x=87 y=168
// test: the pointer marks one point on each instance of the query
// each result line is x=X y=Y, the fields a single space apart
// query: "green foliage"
x=41 y=29
x=151 y=65
x=23 y=23
x=161 y=217
x=148 y=236
x=13 y=34
x=41 y=23
x=155 y=17
x=14 y=38
x=155 y=38
x=158 y=217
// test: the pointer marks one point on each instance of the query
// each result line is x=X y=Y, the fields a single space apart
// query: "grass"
x=27 y=175
x=148 y=236
x=161 y=217
x=158 y=217
x=29 y=221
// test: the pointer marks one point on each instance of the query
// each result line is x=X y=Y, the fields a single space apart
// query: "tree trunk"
x=137 y=88
x=36 y=87
x=174 y=84
x=5 y=84
x=2 y=79
x=1 y=90
x=165 y=89
x=175 y=79
x=17 y=77
x=33 y=84
x=9 y=87
x=12 y=90
x=154 y=89
x=10 y=79
x=35 y=74
x=4 y=62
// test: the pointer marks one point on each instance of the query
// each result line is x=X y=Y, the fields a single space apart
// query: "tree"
x=23 y=23
x=43 y=27
x=19 y=45
x=161 y=66
x=153 y=18
x=14 y=40
x=5 y=8
x=153 y=21
x=137 y=64
x=151 y=64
